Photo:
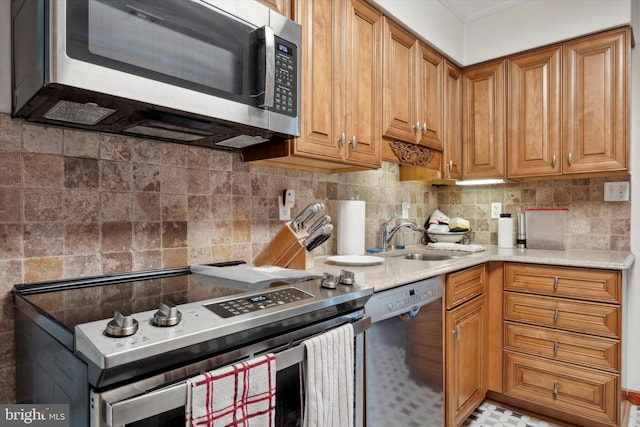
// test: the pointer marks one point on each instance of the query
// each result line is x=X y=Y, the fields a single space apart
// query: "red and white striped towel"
x=328 y=379
x=239 y=395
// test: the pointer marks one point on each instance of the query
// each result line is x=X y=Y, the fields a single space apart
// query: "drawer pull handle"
x=555 y=346
x=555 y=282
x=556 y=313
x=456 y=332
x=555 y=389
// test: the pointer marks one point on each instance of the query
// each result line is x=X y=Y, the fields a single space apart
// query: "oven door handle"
x=121 y=413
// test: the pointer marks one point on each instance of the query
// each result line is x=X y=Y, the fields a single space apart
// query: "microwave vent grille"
x=89 y=114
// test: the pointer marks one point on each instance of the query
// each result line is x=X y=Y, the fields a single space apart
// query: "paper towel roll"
x=350 y=227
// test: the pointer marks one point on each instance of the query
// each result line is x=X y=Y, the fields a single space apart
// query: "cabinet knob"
x=570 y=158
x=554 y=160
x=341 y=139
x=354 y=142
x=424 y=128
x=555 y=389
x=416 y=127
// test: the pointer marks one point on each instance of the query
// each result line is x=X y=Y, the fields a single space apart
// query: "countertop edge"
x=396 y=270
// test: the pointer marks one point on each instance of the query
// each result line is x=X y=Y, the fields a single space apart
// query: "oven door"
x=160 y=400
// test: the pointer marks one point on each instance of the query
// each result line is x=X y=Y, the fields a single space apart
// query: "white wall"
x=633 y=295
x=431 y=21
x=540 y=22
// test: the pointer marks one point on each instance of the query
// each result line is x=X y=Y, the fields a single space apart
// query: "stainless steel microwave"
x=223 y=74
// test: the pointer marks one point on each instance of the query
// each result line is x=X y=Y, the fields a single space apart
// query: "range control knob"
x=122 y=325
x=167 y=315
x=329 y=281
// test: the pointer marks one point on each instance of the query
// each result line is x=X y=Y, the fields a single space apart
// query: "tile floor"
x=490 y=415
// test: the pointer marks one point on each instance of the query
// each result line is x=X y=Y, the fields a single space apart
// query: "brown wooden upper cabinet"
x=452 y=142
x=483 y=121
x=341 y=79
x=413 y=83
x=568 y=107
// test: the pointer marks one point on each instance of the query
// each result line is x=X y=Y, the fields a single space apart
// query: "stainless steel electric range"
x=118 y=348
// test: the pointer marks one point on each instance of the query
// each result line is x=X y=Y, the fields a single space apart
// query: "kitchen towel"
x=350 y=227
x=328 y=379
x=239 y=395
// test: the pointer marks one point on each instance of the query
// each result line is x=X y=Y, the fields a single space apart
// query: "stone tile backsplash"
x=77 y=204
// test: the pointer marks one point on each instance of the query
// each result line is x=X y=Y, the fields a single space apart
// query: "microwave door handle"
x=269 y=66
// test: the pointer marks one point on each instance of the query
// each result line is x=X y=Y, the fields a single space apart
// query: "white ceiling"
x=472 y=10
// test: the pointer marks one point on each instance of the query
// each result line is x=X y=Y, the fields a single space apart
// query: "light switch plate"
x=616 y=191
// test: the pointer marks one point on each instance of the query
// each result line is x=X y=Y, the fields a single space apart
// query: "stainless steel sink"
x=427 y=257
x=432 y=256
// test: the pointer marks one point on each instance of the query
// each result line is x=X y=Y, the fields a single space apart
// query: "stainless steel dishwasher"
x=403 y=356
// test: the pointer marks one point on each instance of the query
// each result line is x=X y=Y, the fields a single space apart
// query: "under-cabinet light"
x=481 y=182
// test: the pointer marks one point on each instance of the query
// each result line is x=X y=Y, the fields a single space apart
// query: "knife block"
x=281 y=250
x=302 y=261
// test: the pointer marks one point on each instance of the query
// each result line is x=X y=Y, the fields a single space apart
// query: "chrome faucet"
x=387 y=234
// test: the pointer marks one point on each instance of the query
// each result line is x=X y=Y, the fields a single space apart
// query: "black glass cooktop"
x=72 y=302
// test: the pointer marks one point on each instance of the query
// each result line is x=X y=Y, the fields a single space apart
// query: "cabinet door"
x=580 y=392
x=452 y=147
x=577 y=349
x=596 y=109
x=320 y=85
x=464 y=360
x=483 y=121
x=534 y=114
x=464 y=285
x=577 y=316
x=430 y=97
x=580 y=283
x=362 y=84
x=398 y=98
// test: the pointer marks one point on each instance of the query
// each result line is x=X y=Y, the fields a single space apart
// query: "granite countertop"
x=396 y=270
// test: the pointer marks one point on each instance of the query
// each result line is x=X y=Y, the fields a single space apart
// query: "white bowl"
x=447 y=237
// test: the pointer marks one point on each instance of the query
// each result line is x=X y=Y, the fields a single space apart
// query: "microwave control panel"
x=286 y=96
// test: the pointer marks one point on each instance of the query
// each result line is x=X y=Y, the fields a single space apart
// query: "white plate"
x=355 y=260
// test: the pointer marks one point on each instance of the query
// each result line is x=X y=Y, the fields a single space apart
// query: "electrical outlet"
x=616 y=191
x=284 y=213
x=405 y=209
x=496 y=210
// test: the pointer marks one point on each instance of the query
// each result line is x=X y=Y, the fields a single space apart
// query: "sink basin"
x=427 y=257
x=431 y=255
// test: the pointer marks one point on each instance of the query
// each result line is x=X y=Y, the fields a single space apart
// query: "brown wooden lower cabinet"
x=562 y=329
x=465 y=328
x=582 y=392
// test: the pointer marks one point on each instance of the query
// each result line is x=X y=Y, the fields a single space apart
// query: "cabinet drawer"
x=576 y=316
x=564 y=387
x=585 y=350
x=464 y=285
x=580 y=283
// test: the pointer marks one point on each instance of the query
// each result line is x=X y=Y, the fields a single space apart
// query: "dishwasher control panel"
x=403 y=299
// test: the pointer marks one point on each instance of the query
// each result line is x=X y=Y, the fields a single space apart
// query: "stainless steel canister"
x=521 y=237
